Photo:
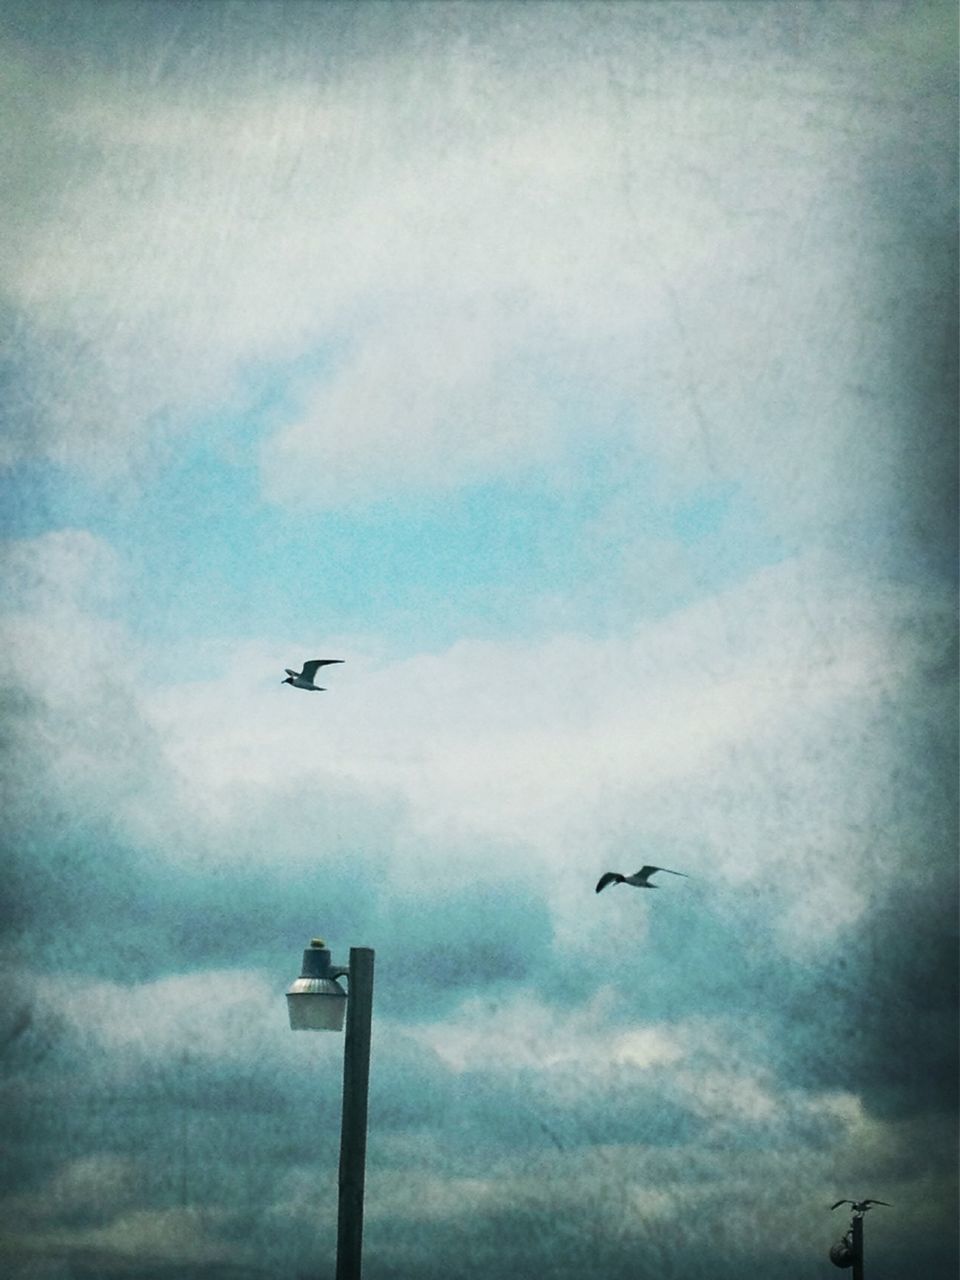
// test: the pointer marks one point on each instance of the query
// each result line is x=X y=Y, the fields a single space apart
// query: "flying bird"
x=860 y=1206
x=640 y=879
x=304 y=679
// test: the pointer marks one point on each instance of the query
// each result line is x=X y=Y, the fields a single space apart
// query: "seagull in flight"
x=640 y=879
x=304 y=679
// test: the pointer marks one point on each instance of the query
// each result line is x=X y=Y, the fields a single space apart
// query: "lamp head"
x=316 y=1001
x=841 y=1254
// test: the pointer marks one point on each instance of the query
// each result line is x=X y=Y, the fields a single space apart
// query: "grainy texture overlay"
x=583 y=376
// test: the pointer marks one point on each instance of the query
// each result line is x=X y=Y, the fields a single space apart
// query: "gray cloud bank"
x=555 y=1086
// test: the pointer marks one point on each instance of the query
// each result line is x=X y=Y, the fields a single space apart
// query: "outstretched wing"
x=608 y=877
x=839 y=1203
x=886 y=1202
x=310 y=668
x=646 y=872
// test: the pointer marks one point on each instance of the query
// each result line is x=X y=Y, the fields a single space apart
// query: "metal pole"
x=353 y=1132
x=857 y=1242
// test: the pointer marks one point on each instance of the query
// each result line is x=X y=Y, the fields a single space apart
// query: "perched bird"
x=304 y=679
x=860 y=1206
x=640 y=879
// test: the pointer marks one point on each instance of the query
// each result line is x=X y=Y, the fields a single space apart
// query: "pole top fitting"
x=317 y=942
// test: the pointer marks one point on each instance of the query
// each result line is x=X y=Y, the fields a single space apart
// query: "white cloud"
x=747 y=739
x=80 y=746
x=753 y=723
x=459 y=259
x=527 y=1035
x=219 y=1016
x=713 y=1067
x=174 y=1236
x=97 y=1183
x=69 y=568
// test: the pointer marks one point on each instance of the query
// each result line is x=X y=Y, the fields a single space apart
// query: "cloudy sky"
x=583 y=375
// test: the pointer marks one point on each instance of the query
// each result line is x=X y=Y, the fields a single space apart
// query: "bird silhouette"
x=640 y=879
x=860 y=1206
x=304 y=679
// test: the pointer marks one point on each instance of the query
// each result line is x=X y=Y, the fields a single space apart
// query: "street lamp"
x=315 y=1002
x=848 y=1252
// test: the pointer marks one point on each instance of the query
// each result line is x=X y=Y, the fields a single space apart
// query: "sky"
x=584 y=377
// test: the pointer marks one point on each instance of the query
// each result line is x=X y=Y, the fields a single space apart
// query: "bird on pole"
x=305 y=679
x=860 y=1206
x=640 y=879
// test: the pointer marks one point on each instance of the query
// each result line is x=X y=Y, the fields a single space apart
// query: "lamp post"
x=848 y=1252
x=315 y=1002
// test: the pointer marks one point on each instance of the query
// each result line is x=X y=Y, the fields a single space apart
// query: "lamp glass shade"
x=316 y=1004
